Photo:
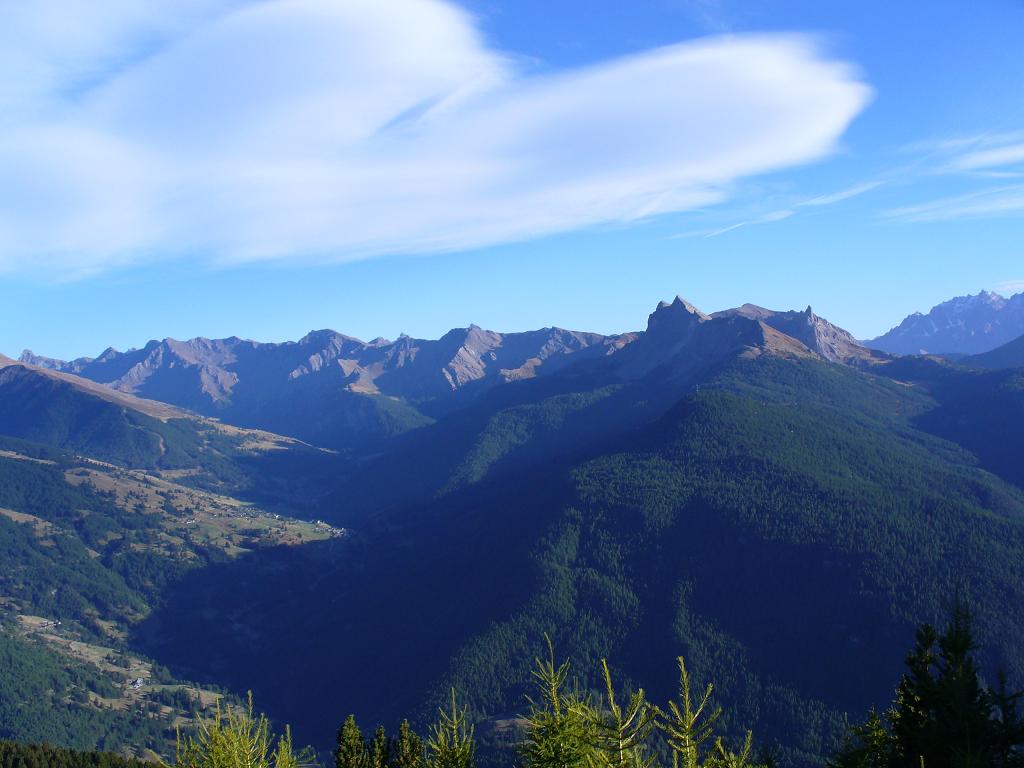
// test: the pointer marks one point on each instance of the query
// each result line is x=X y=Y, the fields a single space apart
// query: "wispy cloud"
x=710 y=14
x=1010 y=287
x=984 y=154
x=766 y=219
x=843 y=194
x=998 y=201
x=985 y=159
x=316 y=129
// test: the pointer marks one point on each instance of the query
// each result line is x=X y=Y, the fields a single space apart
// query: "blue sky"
x=222 y=167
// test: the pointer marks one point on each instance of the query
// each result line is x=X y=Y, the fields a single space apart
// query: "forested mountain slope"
x=781 y=521
x=69 y=413
x=715 y=488
x=1010 y=355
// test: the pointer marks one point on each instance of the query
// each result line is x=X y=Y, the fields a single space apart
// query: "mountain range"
x=753 y=490
x=340 y=392
x=966 y=325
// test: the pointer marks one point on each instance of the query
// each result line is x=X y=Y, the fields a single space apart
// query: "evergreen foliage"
x=236 y=738
x=450 y=744
x=19 y=755
x=687 y=724
x=621 y=733
x=42 y=699
x=404 y=750
x=351 y=750
x=380 y=749
x=943 y=715
x=407 y=749
x=558 y=724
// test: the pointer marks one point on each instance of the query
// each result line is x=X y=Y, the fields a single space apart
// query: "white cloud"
x=322 y=129
x=993 y=202
x=768 y=218
x=992 y=155
x=843 y=194
x=1010 y=287
x=996 y=157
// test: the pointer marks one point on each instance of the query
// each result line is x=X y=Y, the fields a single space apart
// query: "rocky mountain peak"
x=814 y=332
x=679 y=317
x=965 y=324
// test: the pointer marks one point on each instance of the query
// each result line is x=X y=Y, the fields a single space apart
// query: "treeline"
x=943 y=716
x=565 y=728
x=16 y=755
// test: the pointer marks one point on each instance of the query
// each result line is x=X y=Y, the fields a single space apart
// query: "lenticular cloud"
x=320 y=129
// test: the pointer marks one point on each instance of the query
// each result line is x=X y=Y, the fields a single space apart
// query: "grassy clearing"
x=199 y=517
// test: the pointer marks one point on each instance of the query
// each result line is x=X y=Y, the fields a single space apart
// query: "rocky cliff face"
x=247 y=382
x=964 y=325
x=817 y=334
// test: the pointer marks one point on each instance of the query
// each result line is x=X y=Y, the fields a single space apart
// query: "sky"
x=182 y=168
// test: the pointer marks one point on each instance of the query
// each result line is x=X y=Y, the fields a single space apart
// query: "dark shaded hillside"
x=783 y=528
x=1010 y=355
x=983 y=411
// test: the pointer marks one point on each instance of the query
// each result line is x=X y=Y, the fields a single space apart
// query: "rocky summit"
x=966 y=325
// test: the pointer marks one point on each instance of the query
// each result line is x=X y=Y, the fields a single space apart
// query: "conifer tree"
x=407 y=749
x=450 y=744
x=351 y=749
x=687 y=725
x=236 y=737
x=943 y=716
x=620 y=733
x=380 y=749
x=870 y=745
x=726 y=758
x=557 y=728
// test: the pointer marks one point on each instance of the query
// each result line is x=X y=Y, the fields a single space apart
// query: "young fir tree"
x=380 y=749
x=558 y=733
x=238 y=738
x=722 y=757
x=620 y=734
x=407 y=748
x=689 y=725
x=450 y=744
x=870 y=745
x=351 y=751
x=686 y=726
